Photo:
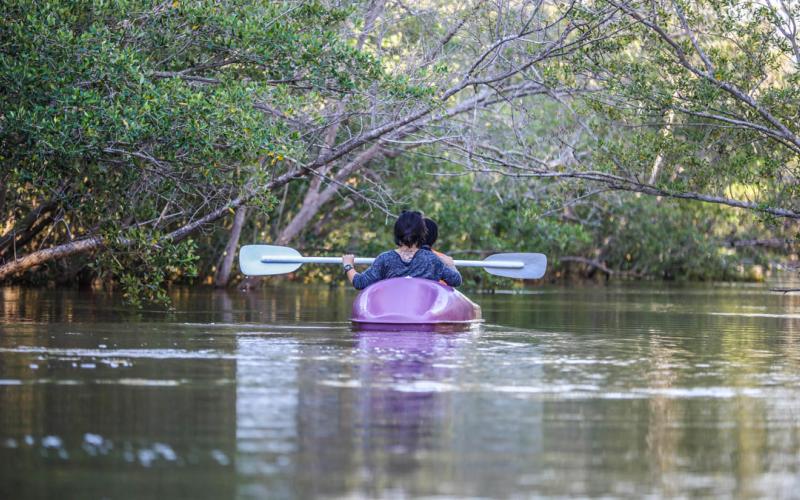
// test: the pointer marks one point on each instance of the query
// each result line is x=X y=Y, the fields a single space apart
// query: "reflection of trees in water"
x=325 y=411
x=282 y=303
x=266 y=412
x=662 y=439
x=680 y=348
x=718 y=433
x=18 y=304
x=69 y=396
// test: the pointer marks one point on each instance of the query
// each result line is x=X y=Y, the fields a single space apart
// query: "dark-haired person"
x=432 y=234
x=410 y=258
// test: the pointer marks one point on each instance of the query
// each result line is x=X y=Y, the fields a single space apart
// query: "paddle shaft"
x=277 y=259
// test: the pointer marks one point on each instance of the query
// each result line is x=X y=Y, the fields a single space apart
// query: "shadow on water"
x=620 y=391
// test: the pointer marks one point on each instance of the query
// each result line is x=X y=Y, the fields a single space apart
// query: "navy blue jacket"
x=424 y=264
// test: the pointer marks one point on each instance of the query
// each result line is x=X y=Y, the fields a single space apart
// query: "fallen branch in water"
x=599 y=265
x=589 y=262
x=769 y=243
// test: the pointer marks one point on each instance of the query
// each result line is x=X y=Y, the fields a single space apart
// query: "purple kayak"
x=413 y=304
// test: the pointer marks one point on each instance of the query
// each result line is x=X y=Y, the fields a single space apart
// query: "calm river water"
x=622 y=391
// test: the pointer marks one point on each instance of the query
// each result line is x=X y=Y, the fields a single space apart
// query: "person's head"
x=432 y=231
x=409 y=229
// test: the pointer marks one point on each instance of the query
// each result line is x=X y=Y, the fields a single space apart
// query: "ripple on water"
x=121 y=353
x=756 y=315
x=571 y=390
x=95 y=446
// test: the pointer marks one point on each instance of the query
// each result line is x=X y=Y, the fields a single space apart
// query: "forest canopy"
x=141 y=141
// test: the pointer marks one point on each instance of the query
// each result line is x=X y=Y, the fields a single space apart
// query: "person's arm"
x=446 y=260
x=349 y=260
x=451 y=276
x=365 y=279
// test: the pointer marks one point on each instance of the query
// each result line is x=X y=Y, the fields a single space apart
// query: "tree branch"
x=94 y=243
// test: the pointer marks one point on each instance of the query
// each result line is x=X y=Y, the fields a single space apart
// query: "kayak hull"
x=413 y=304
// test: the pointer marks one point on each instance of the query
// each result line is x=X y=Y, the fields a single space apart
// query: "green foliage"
x=132 y=114
x=480 y=214
x=655 y=107
x=143 y=269
x=133 y=118
x=669 y=240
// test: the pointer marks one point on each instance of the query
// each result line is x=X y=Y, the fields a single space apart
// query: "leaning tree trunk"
x=316 y=196
x=309 y=208
x=224 y=271
x=94 y=243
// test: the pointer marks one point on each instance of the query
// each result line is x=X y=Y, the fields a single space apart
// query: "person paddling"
x=410 y=258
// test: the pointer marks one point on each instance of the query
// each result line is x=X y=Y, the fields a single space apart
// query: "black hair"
x=432 y=232
x=409 y=229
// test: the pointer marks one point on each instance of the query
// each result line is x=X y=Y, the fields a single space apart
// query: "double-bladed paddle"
x=264 y=260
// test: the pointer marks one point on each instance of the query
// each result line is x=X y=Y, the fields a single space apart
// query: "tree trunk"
x=310 y=207
x=93 y=243
x=23 y=227
x=224 y=272
x=315 y=199
x=312 y=202
x=42 y=256
x=25 y=237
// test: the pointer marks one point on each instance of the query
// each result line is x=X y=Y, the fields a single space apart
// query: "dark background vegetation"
x=142 y=142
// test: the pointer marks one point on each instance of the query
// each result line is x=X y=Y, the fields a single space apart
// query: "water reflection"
x=607 y=392
x=266 y=415
x=404 y=403
x=312 y=420
x=141 y=426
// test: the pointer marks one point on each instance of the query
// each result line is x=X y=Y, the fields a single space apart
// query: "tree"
x=479 y=60
x=127 y=126
x=690 y=100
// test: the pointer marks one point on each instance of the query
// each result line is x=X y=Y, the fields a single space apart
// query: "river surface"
x=621 y=391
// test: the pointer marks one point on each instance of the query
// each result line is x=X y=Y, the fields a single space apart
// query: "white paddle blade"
x=534 y=267
x=250 y=257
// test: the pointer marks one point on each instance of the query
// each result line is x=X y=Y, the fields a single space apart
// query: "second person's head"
x=409 y=229
x=432 y=232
